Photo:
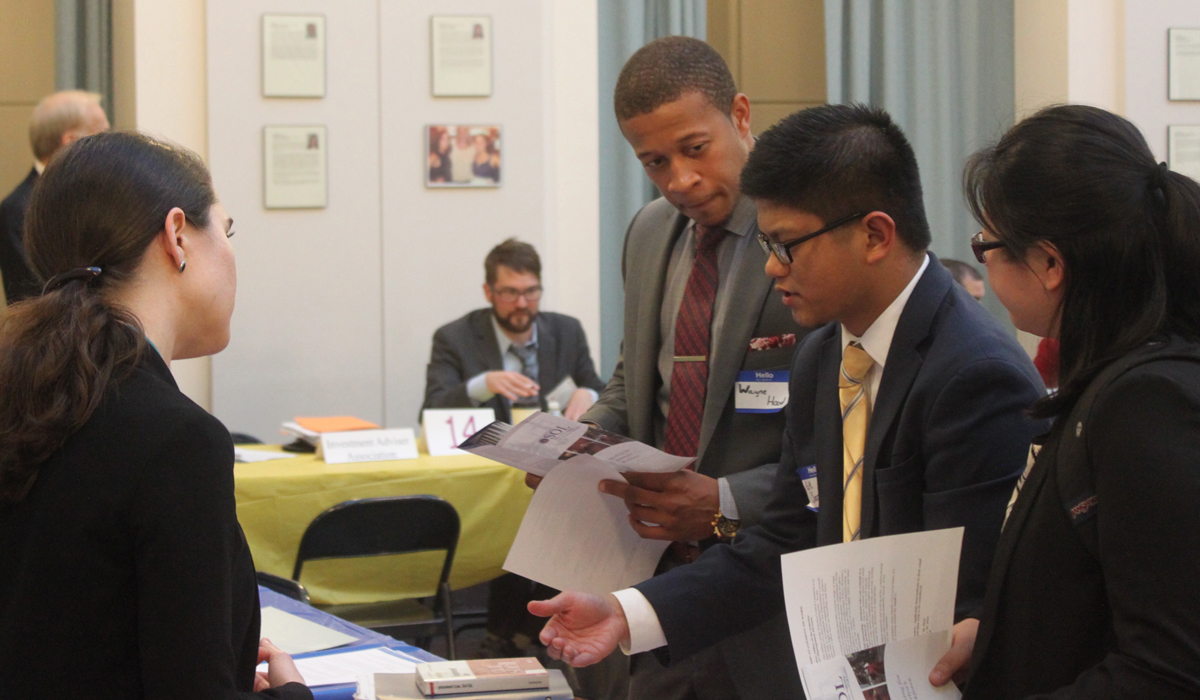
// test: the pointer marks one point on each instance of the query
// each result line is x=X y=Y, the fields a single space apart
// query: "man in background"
x=967 y=277
x=58 y=120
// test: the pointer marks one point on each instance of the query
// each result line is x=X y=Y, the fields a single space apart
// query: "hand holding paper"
x=676 y=507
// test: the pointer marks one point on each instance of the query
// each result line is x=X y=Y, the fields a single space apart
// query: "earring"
x=182 y=265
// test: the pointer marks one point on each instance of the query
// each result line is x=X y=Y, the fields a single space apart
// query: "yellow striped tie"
x=856 y=414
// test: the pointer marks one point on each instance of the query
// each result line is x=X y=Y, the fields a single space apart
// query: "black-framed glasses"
x=783 y=251
x=509 y=295
x=980 y=246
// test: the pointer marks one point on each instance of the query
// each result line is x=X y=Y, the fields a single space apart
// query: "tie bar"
x=691 y=358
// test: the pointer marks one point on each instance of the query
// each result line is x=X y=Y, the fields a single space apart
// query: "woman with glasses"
x=1093 y=590
x=123 y=570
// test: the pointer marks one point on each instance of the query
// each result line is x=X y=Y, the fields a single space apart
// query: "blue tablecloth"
x=362 y=635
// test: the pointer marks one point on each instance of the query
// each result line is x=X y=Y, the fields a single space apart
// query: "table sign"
x=368 y=445
x=446 y=428
x=293 y=55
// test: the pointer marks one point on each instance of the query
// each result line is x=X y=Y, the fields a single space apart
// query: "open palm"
x=583 y=628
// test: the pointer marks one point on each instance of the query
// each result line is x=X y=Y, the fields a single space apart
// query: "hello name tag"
x=761 y=391
x=368 y=445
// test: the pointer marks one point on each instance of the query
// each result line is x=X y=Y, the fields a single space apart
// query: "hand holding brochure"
x=573 y=537
x=869 y=619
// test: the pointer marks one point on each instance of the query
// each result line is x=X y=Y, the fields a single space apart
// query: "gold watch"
x=724 y=528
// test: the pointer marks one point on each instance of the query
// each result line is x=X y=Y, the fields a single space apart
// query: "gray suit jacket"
x=742 y=447
x=467 y=346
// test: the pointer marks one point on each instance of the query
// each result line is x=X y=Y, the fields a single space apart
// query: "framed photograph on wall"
x=460 y=56
x=295 y=167
x=462 y=155
x=293 y=55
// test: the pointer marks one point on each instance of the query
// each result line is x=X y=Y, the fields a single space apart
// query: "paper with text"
x=574 y=538
x=244 y=456
x=895 y=671
x=350 y=665
x=848 y=597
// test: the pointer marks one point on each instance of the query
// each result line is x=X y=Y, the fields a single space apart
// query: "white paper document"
x=574 y=538
x=351 y=665
x=848 y=597
x=250 y=456
x=895 y=671
x=295 y=635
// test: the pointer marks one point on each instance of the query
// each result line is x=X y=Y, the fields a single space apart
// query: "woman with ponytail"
x=123 y=570
x=1094 y=587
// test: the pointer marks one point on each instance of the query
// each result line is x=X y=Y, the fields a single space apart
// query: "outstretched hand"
x=583 y=628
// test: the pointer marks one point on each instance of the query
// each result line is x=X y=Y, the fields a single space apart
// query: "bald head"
x=62 y=118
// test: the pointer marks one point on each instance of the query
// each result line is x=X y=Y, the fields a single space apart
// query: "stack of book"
x=477 y=679
x=306 y=432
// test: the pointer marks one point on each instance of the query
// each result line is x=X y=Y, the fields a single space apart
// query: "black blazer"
x=19 y=280
x=947 y=439
x=1057 y=621
x=124 y=573
x=467 y=346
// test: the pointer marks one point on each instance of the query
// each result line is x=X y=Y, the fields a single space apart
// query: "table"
x=276 y=501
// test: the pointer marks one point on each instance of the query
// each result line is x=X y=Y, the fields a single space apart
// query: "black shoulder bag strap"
x=1076 y=482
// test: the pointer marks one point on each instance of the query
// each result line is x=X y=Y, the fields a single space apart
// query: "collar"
x=878 y=337
x=741 y=222
x=502 y=338
x=39 y=167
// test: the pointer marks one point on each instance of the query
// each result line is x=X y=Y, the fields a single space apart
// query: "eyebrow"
x=699 y=133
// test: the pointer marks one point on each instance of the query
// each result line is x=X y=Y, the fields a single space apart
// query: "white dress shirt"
x=645 y=631
x=477 y=386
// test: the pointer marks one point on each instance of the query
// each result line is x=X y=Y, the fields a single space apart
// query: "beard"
x=516 y=321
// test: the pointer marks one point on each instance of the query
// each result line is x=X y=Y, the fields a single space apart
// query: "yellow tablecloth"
x=277 y=500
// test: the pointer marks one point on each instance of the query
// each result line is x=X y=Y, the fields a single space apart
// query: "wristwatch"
x=724 y=528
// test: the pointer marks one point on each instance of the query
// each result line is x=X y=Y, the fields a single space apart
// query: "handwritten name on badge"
x=761 y=391
x=368 y=445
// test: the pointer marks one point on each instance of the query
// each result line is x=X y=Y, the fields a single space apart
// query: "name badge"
x=368 y=445
x=808 y=477
x=761 y=391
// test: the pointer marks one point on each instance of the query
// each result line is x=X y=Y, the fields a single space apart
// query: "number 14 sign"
x=446 y=428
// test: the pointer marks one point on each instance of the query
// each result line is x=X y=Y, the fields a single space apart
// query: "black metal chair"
x=373 y=527
x=283 y=586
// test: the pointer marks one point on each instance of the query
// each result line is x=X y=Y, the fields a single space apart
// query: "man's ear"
x=739 y=114
x=880 y=235
x=487 y=292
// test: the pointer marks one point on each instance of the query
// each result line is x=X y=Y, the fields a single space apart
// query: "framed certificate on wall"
x=294 y=167
x=293 y=55
x=1183 y=64
x=461 y=56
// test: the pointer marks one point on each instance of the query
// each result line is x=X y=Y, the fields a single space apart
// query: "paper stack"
x=307 y=430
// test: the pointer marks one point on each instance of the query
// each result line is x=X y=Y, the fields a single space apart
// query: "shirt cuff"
x=477 y=388
x=728 y=505
x=645 y=632
x=595 y=394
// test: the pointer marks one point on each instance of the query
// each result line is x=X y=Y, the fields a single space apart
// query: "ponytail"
x=99 y=204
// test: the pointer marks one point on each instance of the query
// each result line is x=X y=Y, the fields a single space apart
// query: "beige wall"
x=27 y=54
x=776 y=51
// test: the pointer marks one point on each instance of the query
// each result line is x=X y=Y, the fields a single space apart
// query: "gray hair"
x=56 y=115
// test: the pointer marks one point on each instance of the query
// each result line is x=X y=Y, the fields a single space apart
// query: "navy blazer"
x=466 y=347
x=947 y=440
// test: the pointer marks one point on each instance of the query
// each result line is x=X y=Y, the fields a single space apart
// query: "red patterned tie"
x=693 y=328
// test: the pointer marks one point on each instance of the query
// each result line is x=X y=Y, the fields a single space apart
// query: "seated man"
x=510 y=355
x=909 y=402
x=967 y=276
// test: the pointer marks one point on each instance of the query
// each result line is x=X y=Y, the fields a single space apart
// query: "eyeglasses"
x=980 y=246
x=509 y=295
x=783 y=251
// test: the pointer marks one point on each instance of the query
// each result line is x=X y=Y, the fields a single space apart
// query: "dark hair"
x=960 y=271
x=667 y=68
x=100 y=202
x=1128 y=229
x=516 y=256
x=838 y=160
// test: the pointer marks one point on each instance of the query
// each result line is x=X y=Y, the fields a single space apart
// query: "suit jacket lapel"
x=547 y=349
x=749 y=287
x=827 y=439
x=903 y=363
x=649 y=278
x=486 y=335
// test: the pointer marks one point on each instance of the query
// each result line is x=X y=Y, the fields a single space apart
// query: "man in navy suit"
x=57 y=120
x=943 y=387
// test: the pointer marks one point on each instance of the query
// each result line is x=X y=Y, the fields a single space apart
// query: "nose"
x=683 y=178
x=522 y=302
x=775 y=268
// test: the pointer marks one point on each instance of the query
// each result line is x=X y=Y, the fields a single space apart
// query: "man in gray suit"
x=700 y=326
